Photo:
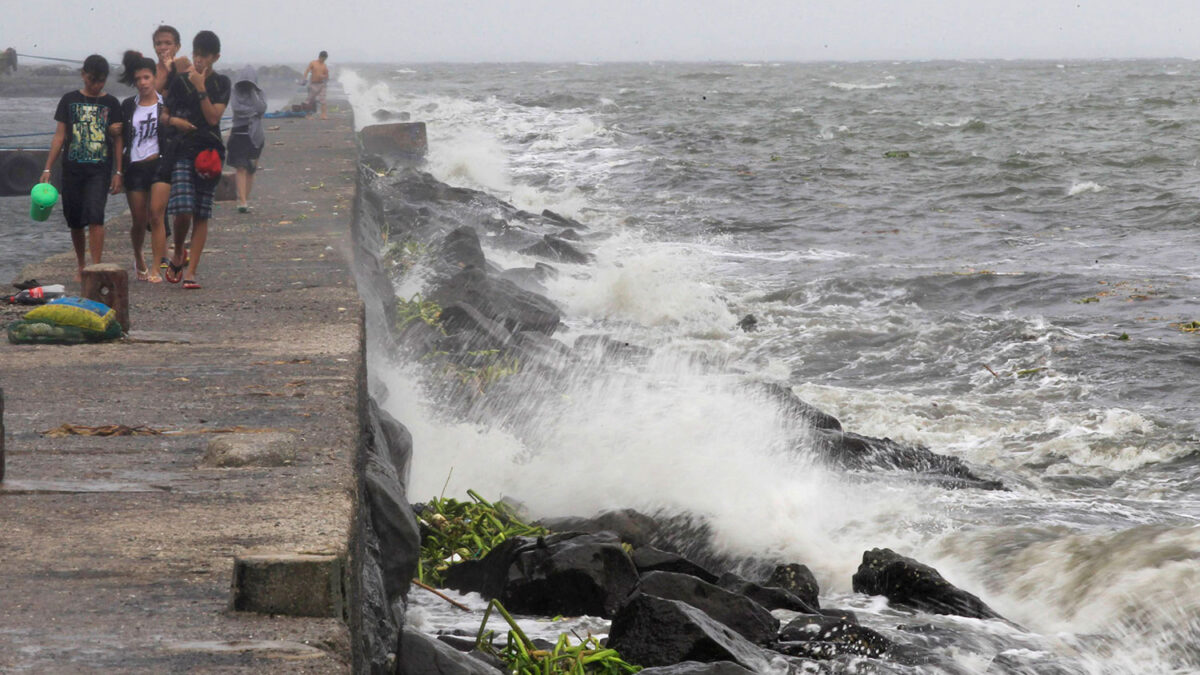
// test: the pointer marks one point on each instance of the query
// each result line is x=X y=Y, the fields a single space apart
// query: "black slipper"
x=174 y=272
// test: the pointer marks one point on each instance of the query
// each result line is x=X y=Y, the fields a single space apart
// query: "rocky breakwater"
x=484 y=337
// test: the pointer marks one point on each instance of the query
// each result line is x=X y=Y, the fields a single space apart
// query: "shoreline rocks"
x=676 y=606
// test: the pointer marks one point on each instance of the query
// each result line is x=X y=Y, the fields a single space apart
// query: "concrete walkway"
x=116 y=553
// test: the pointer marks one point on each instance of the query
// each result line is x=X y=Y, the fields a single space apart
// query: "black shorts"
x=139 y=175
x=166 y=160
x=84 y=196
x=242 y=153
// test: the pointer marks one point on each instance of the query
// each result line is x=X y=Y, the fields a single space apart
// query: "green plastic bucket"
x=43 y=199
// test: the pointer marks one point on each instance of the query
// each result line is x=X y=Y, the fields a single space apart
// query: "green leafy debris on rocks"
x=417 y=308
x=1029 y=372
x=588 y=657
x=453 y=531
x=1189 y=327
x=1123 y=336
x=1084 y=301
x=897 y=154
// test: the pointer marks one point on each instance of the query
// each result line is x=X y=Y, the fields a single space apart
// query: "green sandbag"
x=33 y=332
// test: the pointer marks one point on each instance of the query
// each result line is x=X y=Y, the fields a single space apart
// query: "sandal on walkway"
x=191 y=285
x=174 y=272
x=140 y=274
x=154 y=278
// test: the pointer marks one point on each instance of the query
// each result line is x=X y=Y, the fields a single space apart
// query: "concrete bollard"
x=292 y=584
x=404 y=139
x=109 y=283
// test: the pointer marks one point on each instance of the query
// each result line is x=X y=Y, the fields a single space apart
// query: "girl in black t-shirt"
x=89 y=128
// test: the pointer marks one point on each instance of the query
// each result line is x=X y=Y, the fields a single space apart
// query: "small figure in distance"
x=246 y=137
x=89 y=127
x=8 y=61
x=142 y=157
x=317 y=83
x=194 y=104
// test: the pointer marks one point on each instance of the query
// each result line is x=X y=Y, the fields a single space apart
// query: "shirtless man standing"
x=318 y=82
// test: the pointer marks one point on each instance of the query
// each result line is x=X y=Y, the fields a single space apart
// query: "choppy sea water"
x=986 y=258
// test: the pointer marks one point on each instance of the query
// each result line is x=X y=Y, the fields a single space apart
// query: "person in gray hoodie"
x=246 y=137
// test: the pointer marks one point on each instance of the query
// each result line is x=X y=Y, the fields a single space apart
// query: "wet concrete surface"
x=116 y=553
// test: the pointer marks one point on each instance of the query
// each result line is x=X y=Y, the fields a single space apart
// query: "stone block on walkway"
x=260 y=449
x=292 y=584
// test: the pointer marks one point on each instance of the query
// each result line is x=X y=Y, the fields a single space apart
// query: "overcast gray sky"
x=271 y=31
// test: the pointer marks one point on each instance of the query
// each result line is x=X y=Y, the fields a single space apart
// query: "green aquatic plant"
x=588 y=657
x=417 y=308
x=453 y=531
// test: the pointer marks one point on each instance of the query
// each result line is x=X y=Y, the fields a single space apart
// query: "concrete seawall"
x=118 y=552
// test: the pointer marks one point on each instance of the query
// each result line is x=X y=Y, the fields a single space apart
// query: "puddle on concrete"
x=44 y=487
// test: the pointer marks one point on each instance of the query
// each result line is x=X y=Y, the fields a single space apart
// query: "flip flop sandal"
x=162 y=264
x=191 y=285
x=174 y=272
x=154 y=279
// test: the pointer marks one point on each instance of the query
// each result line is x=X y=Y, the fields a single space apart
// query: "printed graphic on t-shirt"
x=145 y=132
x=88 y=144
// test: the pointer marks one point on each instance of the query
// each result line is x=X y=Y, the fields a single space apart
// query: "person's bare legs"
x=160 y=194
x=199 y=235
x=183 y=221
x=79 y=242
x=140 y=216
x=95 y=237
x=242 y=180
x=323 y=110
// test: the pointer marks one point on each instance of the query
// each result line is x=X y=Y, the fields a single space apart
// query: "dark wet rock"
x=798 y=580
x=832 y=630
x=766 y=596
x=856 y=452
x=552 y=247
x=570 y=235
x=738 y=612
x=796 y=408
x=420 y=653
x=748 y=323
x=470 y=329
x=569 y=573
x=652 y=631
x=843 y=614
x=499 y=300
x=608 y=348
x=630 y=526
x=563 y=220
x=698 y=668
x=461 y=249
x=386 y=475
x=904 y=581
x=539 y=350
x=650 y=559
x=386 y=542
x=465 y=643
x=391 y=115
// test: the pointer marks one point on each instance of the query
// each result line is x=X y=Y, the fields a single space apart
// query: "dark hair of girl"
x=133 y=62
x=96 y=66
